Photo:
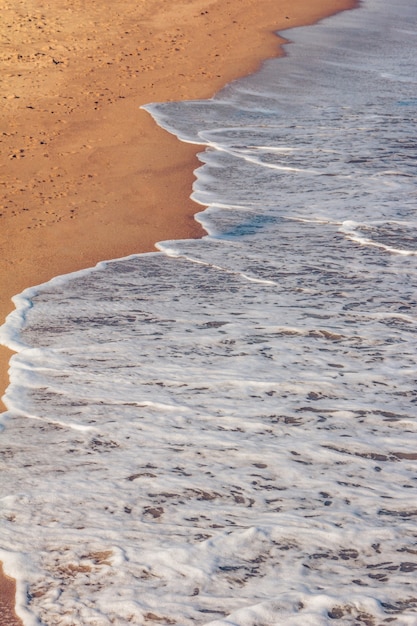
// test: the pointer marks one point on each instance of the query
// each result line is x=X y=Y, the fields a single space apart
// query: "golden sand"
x=87 y=176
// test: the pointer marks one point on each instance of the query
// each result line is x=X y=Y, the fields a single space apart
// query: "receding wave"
x=223 y=432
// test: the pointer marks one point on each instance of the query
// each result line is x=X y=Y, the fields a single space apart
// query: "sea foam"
x=222 y=432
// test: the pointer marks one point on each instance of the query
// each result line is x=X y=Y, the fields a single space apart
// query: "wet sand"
x=87 y=175
x=7 y=598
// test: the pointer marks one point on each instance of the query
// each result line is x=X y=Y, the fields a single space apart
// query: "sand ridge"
x=87 y=175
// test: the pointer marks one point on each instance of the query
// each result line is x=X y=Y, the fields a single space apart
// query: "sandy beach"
x=87 y=175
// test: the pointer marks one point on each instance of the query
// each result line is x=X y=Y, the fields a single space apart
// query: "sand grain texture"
x=7 y=597
x=86 y=174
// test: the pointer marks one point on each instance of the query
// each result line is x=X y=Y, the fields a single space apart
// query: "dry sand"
x=86 y=175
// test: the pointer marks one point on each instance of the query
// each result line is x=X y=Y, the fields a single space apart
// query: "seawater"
x=223 y=432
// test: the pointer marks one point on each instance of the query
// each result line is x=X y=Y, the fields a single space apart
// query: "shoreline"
x=89 y=175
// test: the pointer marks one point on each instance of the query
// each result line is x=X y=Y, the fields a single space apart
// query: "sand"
x=87 y=175
x=7 y=596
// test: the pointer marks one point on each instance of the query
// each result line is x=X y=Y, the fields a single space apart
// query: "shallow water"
x=223 y=432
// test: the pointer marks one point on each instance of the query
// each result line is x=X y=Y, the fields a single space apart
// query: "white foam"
x=353 y=231
x=222 y=432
